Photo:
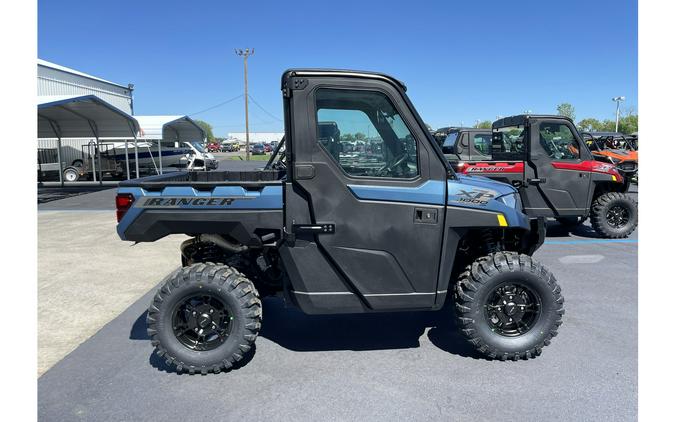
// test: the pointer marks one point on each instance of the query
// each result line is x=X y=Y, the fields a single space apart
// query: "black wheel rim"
x=617 y=216
x=202 y=322
x=512 y=309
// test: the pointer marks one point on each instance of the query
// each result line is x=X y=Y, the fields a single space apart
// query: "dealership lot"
x=96 y=361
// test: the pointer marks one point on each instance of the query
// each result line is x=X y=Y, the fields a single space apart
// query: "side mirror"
x=449 y=149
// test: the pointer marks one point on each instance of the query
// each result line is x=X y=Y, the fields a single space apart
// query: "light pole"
x=245 y=53
x=618 y=102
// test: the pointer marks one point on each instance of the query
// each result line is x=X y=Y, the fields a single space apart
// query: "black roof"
x=520 y=119
x=461 y=129
x=341 y=73
x=597 y=134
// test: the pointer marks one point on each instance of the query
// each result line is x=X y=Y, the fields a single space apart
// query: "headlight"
x=510 y=200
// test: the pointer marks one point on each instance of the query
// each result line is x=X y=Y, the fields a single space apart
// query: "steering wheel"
x=397 y=162
x=280 y=164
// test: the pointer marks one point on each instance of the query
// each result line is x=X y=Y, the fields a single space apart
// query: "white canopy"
x=64 y=116
x=170 y=128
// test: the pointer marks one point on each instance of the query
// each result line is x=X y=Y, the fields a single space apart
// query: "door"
x=557 y=176
x=375 y=193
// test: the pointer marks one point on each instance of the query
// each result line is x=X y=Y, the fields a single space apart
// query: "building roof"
x=174 y=128
x=76 y=72
x=83 y=116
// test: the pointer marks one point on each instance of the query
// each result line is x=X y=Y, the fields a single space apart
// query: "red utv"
x=553 y=168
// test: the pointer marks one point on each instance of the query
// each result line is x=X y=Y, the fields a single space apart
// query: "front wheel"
x=204 y=318
x=614 y=215
x=508 y=306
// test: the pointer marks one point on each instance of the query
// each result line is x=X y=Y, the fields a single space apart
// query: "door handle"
x=536 y=181
x=304 y=171
x=319 y=228
x=426 y=215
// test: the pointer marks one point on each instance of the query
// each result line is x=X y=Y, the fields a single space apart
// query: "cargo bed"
x=234 y=203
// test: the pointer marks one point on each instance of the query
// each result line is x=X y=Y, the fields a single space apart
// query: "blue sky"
x=461 y=60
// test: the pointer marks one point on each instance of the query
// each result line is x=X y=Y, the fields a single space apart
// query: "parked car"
x=258 y=149
x=214 y=147
x=268 y=148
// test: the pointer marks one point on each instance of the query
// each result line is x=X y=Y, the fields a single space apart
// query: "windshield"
x=198 y=146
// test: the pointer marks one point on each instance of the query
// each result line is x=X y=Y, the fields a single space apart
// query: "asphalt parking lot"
x=393 y=366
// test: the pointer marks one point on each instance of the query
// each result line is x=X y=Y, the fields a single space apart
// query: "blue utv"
x=359 y=213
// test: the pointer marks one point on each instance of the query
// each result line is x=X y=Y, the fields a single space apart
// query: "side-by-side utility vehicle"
x=554 y=170
x=384 y=226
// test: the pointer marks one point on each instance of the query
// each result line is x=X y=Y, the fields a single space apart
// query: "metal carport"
x=84 y=116
x=169 y=129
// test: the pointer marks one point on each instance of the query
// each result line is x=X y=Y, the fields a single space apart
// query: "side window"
x=508 y=143
x=558 y=141
x=365 y=134
x=483 y=142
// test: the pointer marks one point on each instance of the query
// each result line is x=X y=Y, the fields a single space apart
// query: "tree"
x=628 y=124
x=348 y=137
x=485 y=124
x=360 y=136
x=590 y=124
x=208 y=129
x=566 y=109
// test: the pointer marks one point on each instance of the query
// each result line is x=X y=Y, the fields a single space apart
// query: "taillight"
x=123 y=202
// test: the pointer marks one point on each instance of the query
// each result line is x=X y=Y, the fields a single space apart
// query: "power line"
x=217 y=105
x=263 y=109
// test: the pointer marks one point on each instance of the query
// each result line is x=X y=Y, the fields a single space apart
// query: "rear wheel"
x=508 y=306
x=71 y=175
x=204 y=318
x=614 y=215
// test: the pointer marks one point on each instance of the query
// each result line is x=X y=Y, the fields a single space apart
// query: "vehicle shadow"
x=555 y=229
x=139 y=330
x=294 y=330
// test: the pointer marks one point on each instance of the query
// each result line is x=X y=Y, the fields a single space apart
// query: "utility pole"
x=245 y=53
x=618 y=101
